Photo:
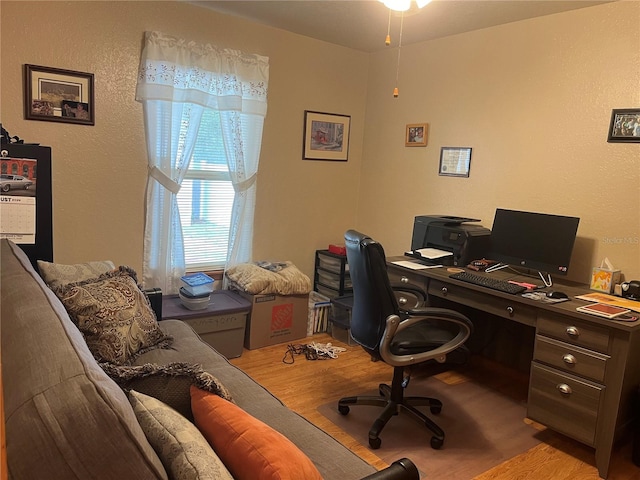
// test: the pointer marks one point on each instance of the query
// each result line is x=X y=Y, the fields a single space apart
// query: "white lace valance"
x=178 y=70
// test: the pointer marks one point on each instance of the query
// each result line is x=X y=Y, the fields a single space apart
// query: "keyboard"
x=488 y=282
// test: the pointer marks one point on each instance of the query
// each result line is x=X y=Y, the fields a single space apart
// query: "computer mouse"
x=557 y=294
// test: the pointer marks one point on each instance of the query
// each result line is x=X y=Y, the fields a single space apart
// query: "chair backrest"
x=373 y=297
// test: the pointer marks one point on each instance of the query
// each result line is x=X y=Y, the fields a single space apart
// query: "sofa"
x=66 y=418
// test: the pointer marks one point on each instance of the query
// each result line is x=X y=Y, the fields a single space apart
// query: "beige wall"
x=99 y=172
x=532 y=98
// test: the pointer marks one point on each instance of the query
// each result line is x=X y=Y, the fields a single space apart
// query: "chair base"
x=392 y=400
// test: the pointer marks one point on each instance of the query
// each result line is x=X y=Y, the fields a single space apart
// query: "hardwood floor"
x=304 y=385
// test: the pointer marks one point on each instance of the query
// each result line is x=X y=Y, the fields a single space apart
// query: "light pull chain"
x=395 y=90
x=387 y=41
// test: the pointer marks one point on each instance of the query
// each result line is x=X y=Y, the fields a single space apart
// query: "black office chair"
x=399 y=337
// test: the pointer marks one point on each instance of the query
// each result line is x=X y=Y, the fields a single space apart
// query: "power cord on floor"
x=312 y=351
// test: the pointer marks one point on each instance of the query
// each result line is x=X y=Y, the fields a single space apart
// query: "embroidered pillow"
x=114 y=316
x=56 y=274
x=182 y=449
x=248 y=447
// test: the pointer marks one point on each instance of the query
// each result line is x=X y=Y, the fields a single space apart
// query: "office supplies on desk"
x=488 y=282
x=415 y=265
x=542 y=297
x=603 y=310
x=611 y=300
x=451 y=234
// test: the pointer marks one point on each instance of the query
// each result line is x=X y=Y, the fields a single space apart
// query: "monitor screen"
x=535 y=241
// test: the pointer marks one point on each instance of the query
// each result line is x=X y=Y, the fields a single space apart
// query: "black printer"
x=451 y=234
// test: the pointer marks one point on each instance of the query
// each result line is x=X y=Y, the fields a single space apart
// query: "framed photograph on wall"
x=326 y=136
x=56 y=95
x=455 y=161
x=416 y=135
x=625 y=125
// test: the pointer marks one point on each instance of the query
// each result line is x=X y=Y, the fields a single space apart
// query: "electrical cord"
x=311 y=351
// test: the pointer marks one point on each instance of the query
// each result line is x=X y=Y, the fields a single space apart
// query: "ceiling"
x=362 y=24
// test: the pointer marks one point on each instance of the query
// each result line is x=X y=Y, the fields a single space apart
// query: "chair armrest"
x=155 y=299
x=394 y=325
x=420 y=294
x=402 y=469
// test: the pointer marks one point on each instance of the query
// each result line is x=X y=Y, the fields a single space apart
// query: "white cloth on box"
x=257 y=280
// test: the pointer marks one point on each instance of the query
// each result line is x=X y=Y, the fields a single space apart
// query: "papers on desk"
x=432 y=253
x=611 y=300
x=414 y=265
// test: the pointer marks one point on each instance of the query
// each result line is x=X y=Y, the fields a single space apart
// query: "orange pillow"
x=249 y=448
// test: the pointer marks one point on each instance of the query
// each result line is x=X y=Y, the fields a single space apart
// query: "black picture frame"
x=326 y=136
x=455 y=161
x=624 y=126
x=57 y=95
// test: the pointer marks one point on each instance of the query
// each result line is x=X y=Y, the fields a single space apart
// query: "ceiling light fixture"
x=403 y=5
x=399 y=6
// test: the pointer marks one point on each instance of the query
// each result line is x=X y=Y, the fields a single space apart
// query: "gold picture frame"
x=56 y=95
x=416 y=135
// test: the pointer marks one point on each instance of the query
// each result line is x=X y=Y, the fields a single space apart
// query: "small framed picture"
x=416 y=135
x=326 y=136
x=625 y=125
x=455 y=161
x=57 y=95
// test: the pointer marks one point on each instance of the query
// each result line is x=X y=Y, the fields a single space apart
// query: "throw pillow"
x=182 y=449
x=168 y=383
x=248 y=447
x=56 y=274
x=114 y=316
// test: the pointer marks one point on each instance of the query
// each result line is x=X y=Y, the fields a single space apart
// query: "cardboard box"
x=275 y=319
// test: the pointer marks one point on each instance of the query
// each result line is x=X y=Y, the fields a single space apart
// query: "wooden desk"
x=585 y=370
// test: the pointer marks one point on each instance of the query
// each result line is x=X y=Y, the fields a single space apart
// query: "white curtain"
x=177 y=79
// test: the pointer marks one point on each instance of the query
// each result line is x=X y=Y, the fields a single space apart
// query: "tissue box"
x=604 y=279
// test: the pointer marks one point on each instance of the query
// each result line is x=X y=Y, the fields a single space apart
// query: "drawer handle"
x=445 y=290
x=569 y=359
x=564 y=388
x=402 y=301
x=510 y=310
x=573 y=332
x=404 y=280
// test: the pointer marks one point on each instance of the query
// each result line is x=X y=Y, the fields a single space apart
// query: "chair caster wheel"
x=436 y=410
x=343 y=409
x=375 y=443
x=436 y=443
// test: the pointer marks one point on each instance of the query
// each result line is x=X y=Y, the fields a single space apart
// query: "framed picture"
x=455 y=161
x=416 y=135
x=326 y=136
x=625 y=125
x=56 y=95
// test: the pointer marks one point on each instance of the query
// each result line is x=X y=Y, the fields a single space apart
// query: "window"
x=206 y=199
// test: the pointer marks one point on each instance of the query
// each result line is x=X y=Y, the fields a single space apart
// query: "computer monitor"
x=536 y=241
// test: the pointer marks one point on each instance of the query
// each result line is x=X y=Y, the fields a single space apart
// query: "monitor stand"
x=548 y=282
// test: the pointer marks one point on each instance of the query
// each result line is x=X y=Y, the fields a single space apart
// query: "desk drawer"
x=593 y=337
x=570 y=358
x=403 y=277
x=487 y=302
x=564 y=403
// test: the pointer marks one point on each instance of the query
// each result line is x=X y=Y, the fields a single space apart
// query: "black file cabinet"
x=331 y=277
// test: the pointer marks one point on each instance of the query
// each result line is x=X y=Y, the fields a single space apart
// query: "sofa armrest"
x=403 y=469
x=155 y=299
